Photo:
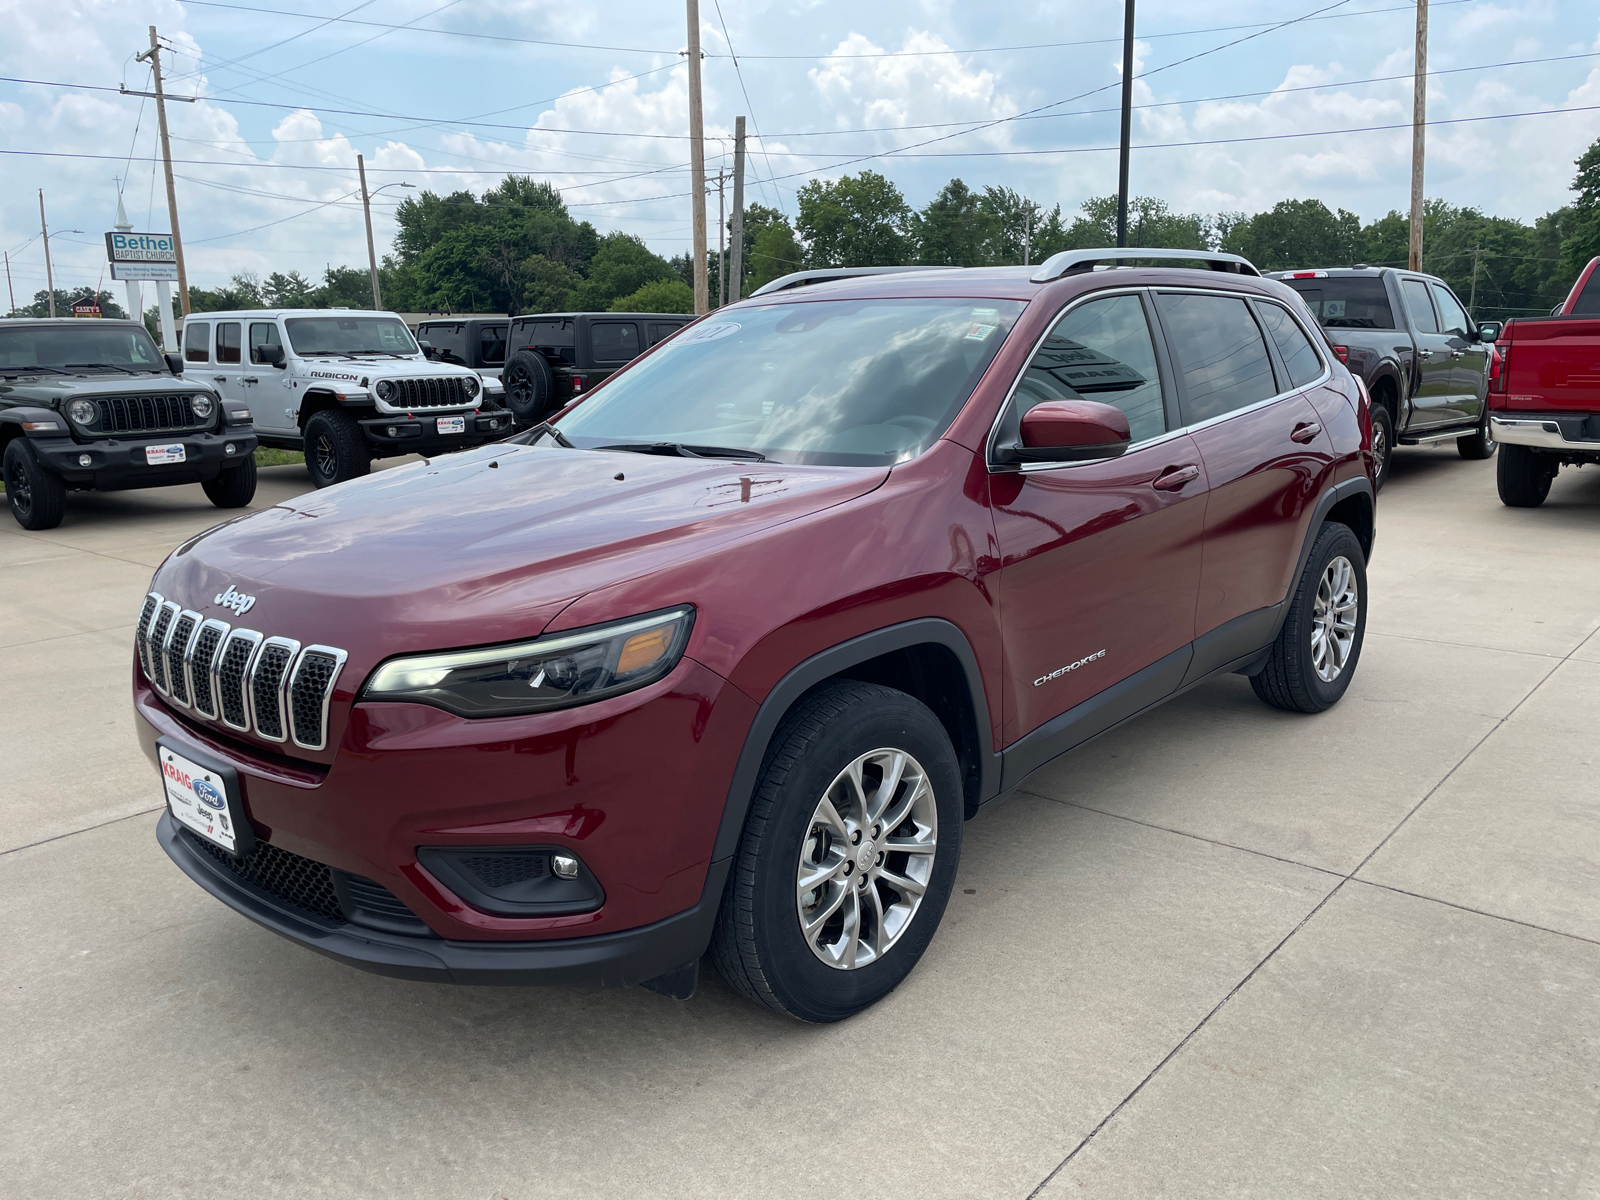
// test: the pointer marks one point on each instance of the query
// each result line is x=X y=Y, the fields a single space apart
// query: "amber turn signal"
x=642 y=649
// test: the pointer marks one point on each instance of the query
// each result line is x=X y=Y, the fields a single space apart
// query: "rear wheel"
x=1479 y=445
x=235 y=487
x=1382 y=441
x=1316 y=652
x=37 y=497
x=848 y=855
x=335 y=448
x=1523 y=476
x=530 y=386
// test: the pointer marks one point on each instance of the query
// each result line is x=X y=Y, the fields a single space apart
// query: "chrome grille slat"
x=310 y=690
x=269 y=674
x=199 y=662
x=231 y=675
x=160 y=632
x=141 y=635
x=177 y=653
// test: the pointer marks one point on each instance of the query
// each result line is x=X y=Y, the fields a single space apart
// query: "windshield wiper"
x=390 y=353
x=108 y=366
x=535 y=432
x=30 y=370
x=683 y=450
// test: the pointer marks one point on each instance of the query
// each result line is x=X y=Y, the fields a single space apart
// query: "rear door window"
x=262 y=333
x=1455 y=317
x=1419 y=306
x=228 y=342
x=1299 y=356
x=1351 y=302
x=1101 y=350
x=1221 y=354
x=197 y=341
x=614 y=341
x=449 y=343
x=492 y=344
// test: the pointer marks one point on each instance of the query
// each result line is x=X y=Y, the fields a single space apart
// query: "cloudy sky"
x=452 y=94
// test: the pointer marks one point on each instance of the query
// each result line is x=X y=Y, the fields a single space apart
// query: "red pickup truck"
x=1544 y=394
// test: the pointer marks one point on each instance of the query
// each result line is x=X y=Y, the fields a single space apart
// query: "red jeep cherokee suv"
x=722 y=657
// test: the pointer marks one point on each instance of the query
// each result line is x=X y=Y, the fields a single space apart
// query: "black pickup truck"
x=1425 y=362
x=552 y=358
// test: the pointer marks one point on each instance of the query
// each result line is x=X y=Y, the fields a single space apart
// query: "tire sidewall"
x=539 y=383
x=807 y=987
x=1380 y=413
x=1335 y=540
x=328 y=424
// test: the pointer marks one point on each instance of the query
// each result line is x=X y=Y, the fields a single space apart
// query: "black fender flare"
x=1389 y=369
x=1337 y=494
x=824 y=665
x=14 y=422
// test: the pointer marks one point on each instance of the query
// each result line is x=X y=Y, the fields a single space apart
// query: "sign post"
x=148 y=256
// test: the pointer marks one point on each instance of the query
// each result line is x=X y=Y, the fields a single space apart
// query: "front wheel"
x=1523 y=476
x=336 y=449
x=848 y=855
x=37 y=497
x=1382 y=442
x=1315 y=654
x=234 y=487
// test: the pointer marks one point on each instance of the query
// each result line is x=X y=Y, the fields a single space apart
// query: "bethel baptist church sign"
x=142 y=255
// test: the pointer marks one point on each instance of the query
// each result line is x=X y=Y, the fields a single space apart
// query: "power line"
x=748 y=107
x=323 y=24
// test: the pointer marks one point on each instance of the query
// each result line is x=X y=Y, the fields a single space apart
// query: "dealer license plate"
x=198 y=798
x=156 y=456
x=452 y=424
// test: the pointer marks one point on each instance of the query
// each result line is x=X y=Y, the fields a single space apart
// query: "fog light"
x=563 y=866
x=84 y=460
x=393 y=432
x=228 y=449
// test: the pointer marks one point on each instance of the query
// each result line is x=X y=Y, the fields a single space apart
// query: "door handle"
x=249 y=379
x=220 y=378
x=1424 y=353
x=1455 y=354
x=1174 y=478
x=1305 y=431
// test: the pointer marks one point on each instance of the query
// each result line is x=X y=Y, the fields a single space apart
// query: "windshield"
x=834 y=382
x=1354 y=302
x=350 y=335
x=83 y=344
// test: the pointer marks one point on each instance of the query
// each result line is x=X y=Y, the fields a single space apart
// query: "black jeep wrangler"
x=92 y=405
x=552 y=358
x=477 y=342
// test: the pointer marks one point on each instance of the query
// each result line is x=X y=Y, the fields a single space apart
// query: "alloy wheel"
x=1333 y=619
x=327 y=457
x=19 y=490
x=1380 y=444
x=867 y=859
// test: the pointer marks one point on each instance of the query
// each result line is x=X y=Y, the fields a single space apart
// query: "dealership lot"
x=1248 y=952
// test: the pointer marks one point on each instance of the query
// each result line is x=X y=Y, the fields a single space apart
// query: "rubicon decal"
x=238 y=601
x=1060 y=671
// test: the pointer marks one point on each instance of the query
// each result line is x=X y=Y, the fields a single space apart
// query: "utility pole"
x=1027 y=234
x=372 y=256
x=722 y=246
x=1127 y=124
x=697 y=160
x=1472 y=301
x=1419 y=119
x=10 y=291
x=154 y=55
x=49 y=275
x=737 y=249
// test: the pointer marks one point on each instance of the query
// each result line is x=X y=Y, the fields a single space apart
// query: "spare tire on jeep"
x=530 y=386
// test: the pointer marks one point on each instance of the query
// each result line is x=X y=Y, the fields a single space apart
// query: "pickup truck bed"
x=1545 y=405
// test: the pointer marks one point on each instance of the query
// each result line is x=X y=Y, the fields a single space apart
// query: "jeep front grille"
x=242 y=678
x=449 y=392
x=148 y=414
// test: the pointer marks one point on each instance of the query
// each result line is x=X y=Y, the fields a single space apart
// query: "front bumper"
x=119 y=463
x=1573 y=433
x=413 y=434
x=608 y=960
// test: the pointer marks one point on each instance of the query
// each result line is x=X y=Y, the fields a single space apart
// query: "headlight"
x=385 y=389
x=470 y=386
x=202 y=407
x=84 y=412
x=565 y=669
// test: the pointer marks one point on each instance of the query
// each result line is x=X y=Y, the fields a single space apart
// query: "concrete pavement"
x=1221 y=951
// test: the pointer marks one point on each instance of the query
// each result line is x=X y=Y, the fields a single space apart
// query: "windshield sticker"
x=707 y=333
x=985 y=312
x=980 y=333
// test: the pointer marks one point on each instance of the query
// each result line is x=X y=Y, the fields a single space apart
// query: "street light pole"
x=1127 y=124
x=372 y=256
x=49 y=275
x=1419 y=120
x=697 y=162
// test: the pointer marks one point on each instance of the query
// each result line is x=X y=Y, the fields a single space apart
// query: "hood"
x=377 y=366
x=54 y=389
x=483 y=546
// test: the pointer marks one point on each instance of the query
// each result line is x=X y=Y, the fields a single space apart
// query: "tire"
x=1295 y=678
x=37 y=497
x=233 y=487
x=758 y=945
x=530 y=386
x=1479 y=445
x=335 y=448
x=1382 y=441
x=1523 y=476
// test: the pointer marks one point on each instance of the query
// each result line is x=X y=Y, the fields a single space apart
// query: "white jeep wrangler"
x=344 y=385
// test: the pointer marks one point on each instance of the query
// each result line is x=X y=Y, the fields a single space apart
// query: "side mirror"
x=1061 y=431
x=270 y=354
x=426 y=348
x=174 y=362
x=1490 y=331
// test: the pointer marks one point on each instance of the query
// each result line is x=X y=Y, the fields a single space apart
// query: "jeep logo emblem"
x=238 y=601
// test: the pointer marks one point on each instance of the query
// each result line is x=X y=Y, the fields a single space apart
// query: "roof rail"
x=826 y=274
x=1069 y=261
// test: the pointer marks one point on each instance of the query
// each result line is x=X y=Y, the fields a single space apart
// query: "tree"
x=658 y=296
x=956 y=230
x=1582 y=239
x=1297 y=233
x=1026 y=233
x=65 y=299
x=1150 y=223
x=622 y=265
x=857 y=221
x=549 y=286
x=287 y=291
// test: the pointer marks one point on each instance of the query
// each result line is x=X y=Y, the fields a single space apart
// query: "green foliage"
x=293 y=290
x=1581 y=240
x=40 y=307
x=856 y=221
x=622 y=265
x=1293 y=231
x=956 y=229
x=658 y=296
x=1150 y=223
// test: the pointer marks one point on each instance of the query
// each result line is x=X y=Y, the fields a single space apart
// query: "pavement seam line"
x=1389 y=887
x=1411 y=637
x=1334 y=891
x=59 y=636
x=143 y=812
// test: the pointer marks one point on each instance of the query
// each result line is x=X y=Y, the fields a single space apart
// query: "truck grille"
x=238 y=676
x=449 y=392
x=147 y=414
